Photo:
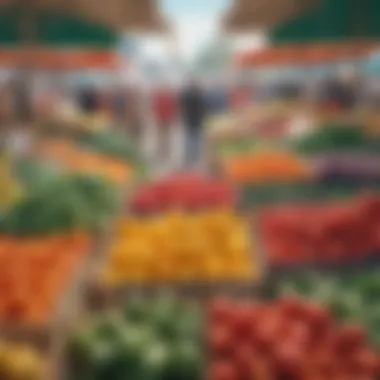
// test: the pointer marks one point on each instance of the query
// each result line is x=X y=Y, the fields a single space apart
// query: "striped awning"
x=249 y=15
x=131 y=15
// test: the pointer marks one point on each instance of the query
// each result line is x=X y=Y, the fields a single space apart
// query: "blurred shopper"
x=119 y=99
x=217 y=99
x=22 y=99
x=342 y=91
x=165 y=110
x=6 y=107
x=240 y=97
x=88 y=100
x=193 y=109
x=134 y=111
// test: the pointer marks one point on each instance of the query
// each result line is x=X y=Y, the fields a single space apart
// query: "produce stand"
x=94 y=306
x=51 y=337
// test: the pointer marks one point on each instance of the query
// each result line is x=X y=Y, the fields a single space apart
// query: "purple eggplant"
x=347 y=167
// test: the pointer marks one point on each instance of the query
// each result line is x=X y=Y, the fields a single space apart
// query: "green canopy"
x=332 y=20
x=55 y=29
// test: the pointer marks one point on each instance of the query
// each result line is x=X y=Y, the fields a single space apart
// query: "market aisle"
x=150 y=147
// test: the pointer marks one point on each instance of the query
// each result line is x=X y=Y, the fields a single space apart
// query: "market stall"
x=263 y=267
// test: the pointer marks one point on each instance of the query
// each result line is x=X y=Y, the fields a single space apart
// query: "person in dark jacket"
x=193 y=109
x=216 y=99
x=88 y=100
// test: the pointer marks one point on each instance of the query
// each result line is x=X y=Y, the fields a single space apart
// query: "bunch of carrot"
x=77 y=160
x=265 y=166
x=34 y=273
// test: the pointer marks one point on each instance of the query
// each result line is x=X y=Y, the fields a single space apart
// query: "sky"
x=194 y=23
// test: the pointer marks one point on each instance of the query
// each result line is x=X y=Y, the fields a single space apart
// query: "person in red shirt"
x=240 y=97
x=165 y=109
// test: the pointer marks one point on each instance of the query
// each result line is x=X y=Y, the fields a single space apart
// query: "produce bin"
x=49 y=337
x=350 y=295
x=102 y=296
x=286 y=337
x=184 y=192
x=150 y=337
x=325 y=236
x=253 y=196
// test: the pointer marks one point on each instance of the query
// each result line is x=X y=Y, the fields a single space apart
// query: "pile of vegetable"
x=342 y=232
x=149 y=339
x=117 y=144
x=265 y=166
x=184 y=191
x=53 y=201
x=20 y=362
x=71 y=157
x=285 y=339
x=9 y=187
x=337 y=137
x=347 y=168
x=180 y=247
x=352 y=297
x=34 y=273
x=266 y=194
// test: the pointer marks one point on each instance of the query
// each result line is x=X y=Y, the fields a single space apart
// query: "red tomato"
x=289 y=359
x=244 y=354
x=365 y=363
x=222 y=370
x=291 y=307
x=220 y=310
x=349 y=338
x=244 y=318
x=220 y=339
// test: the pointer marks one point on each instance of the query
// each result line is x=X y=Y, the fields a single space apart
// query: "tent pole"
x=29 y=36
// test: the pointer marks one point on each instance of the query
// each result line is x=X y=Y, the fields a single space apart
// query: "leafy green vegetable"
x=55 y=201
x=113 y=143
x=142 y=342
x=336 y=137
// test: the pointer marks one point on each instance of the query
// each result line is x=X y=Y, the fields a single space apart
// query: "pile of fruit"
x=20 y=362
x=156 y=339
x=180 y=247
x=328 y=232
x=54 y=202
x=349 y=296
x=286 y=339
x=76 y=159
x=34 y=273
x=266 y=166
x=184 y=191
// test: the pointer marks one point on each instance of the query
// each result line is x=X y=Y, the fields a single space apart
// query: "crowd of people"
x=168 y=107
